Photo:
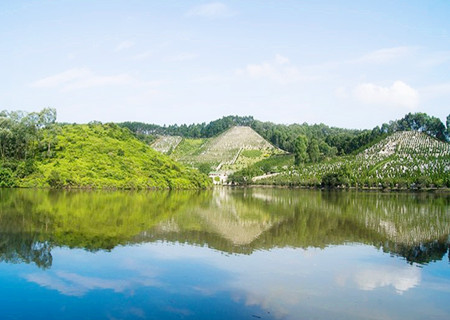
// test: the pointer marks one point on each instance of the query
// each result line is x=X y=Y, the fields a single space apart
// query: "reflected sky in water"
x=186 y=262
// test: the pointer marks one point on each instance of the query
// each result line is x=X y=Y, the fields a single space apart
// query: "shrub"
x=55 y=180
x=332 y=180
x=6 y=177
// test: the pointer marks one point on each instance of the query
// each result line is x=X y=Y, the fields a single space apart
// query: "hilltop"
x=331 y=141
x=402 y=160
x=231 y=150
x=87 y=156
x=106 y=156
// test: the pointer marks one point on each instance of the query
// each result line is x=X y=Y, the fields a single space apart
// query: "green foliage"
x=420 y=122
x=21 y=132
x=448 y=127
x=25 y=168
x=204 y=168
x=194 y=131
x=35 y=152
x=274 y=164
x=313 y=150
x=401 y=161
x=55 y=180
x=300 y=150
x=332 y=180
x=6 y=177
x=251 y=153
x=331 y=140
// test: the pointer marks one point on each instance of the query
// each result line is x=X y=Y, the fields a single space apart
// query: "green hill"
x=232 y=150
x=107 y=156
x=402 y=160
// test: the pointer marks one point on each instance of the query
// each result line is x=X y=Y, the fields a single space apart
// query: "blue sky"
x=353 y=64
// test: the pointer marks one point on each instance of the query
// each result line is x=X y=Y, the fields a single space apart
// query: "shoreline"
x=365 y=189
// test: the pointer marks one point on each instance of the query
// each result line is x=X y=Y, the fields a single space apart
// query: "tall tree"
x=313 y=150
x=300 y=149
x=448 y=127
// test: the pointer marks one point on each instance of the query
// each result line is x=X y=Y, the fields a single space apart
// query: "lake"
x=224 y=254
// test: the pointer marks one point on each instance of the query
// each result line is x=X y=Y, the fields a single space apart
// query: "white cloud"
x=81 y=78
x=401 y=278
x=398 y=95
x=124 y=45
x=61 y=78
x=386 y=55
x=279 y=70
x=72 y=284
x=211 y=10
x=279 y=59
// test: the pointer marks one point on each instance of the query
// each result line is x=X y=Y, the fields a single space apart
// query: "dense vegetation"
x=37 y=152
x=402 y=160
x=329 y=140
x=34 y=222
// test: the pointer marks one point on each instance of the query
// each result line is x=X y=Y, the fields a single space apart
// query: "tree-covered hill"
x=330 y=140
x=44 y=154
x=406 y=159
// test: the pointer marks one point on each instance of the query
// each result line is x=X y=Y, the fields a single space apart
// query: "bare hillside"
x=166 y=144
x=238 y=145
x=411 y=143
x=237 y=138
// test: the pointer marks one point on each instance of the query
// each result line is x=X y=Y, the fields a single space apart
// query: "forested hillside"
x=406 y=159
x=330 y=141
x=37 y=152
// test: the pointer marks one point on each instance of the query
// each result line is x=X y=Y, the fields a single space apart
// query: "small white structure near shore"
x=218 y=177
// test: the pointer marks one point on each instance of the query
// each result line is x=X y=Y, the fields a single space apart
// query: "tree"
x=448 y=127
x=204 y=168
x=313 y=150
x=300 y=150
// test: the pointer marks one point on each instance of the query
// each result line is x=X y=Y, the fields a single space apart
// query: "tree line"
x=310 y=143
x=24 y=138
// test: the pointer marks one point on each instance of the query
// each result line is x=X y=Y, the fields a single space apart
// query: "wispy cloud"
x=386 y=55
x=279 y=70
x=82 y=78
x=124 y=45
x=211 y=10
x=72 y=284
x=399 y=94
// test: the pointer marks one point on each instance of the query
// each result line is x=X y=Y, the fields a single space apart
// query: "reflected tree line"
x=33 y=222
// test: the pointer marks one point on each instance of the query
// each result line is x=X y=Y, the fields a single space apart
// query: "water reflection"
x=224 y=254
x=401 y=278
x=33 y=222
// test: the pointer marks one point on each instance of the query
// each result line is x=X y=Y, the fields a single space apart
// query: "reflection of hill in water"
x=415 y=226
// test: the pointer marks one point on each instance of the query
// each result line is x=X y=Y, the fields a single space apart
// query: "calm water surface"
x=224 y=254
